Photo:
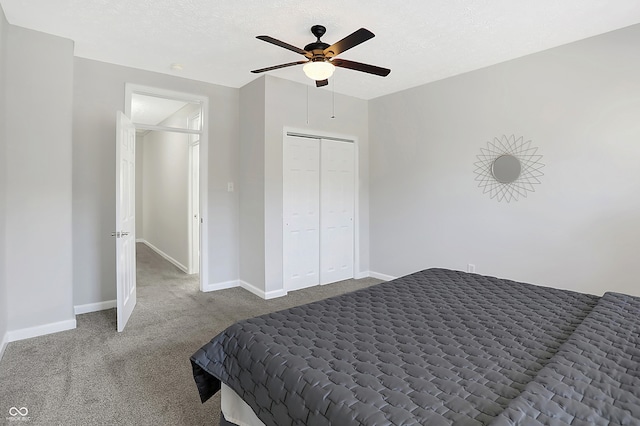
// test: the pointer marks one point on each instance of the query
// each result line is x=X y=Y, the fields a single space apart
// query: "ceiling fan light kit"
x=320 y=64
x=318 y=70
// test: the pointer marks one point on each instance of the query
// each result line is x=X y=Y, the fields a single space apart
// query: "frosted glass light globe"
x=319 y=70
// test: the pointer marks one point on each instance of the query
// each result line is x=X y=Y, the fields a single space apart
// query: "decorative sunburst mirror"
x=508 y=168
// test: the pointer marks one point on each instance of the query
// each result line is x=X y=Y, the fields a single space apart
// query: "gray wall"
x=3 y=166
x=139 y=187
x=580 y=104
x=98 y=94
x=38 y=96
x=165 y=179
x=251 y=183
x=286 y=105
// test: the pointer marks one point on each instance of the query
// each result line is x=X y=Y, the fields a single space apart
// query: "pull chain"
x=333 y=97
x=307 y=104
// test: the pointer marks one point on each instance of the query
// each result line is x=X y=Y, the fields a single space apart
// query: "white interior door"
x=337 y=203
x=301 y=210
x=125 y=218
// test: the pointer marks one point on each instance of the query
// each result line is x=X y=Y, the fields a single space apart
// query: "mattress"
x=435 y=347
x=235 y=411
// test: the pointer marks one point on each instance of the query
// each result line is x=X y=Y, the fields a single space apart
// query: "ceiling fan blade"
x=320 y=83
x=282 y=44
x=358 y=66
x=348 y=42
x=275 y=67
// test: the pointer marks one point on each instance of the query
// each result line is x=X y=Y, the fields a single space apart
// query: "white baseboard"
x=40 y=330
x=94 y=307
x=3 y=344
x=261 y=293
x=165 y=255
x=381 y=276
x=275 y=293
x=221 y=286
x=249 y=287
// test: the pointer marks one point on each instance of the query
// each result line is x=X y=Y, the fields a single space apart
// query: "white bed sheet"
x=237 y=411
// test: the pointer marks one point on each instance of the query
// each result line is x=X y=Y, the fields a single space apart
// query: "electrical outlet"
x=471 y=267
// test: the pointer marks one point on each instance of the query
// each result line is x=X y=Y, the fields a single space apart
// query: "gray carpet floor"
x=94 y=375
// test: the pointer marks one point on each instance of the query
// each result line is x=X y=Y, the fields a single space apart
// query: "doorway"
x=171 y=198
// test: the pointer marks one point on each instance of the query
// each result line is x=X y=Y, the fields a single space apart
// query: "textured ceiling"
x=420 y=40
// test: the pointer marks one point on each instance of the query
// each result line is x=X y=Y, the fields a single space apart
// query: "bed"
x=435 y=347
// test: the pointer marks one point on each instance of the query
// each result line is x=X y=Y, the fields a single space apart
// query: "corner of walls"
x=266 y=295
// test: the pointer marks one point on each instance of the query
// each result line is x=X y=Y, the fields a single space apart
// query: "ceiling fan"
x=321 y=61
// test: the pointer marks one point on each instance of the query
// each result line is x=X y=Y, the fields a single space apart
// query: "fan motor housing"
x=318 y=45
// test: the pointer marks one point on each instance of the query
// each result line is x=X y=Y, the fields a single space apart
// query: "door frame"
x=193 y=210
x=320 y=134
x=130 y=89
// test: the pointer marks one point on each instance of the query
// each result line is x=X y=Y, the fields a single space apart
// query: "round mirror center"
x=506 y=168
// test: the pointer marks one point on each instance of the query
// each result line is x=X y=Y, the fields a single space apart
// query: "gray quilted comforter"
x=436 y=347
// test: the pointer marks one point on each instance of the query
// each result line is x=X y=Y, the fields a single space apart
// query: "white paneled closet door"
x=336 y=210
x=318 y=211
x=301 y=212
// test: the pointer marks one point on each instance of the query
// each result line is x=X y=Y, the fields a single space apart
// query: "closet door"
x=337 y=199
x=301 y=211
